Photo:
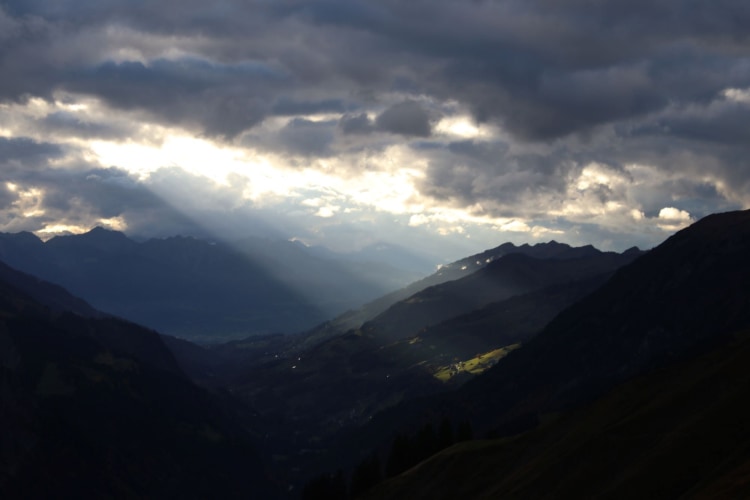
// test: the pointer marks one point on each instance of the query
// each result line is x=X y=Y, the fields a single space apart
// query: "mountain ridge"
x=450 y=272
x=200 y=289
x=684 y=299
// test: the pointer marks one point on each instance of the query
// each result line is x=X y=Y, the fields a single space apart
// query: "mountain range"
x=203 y=290
x=672 y=326
x=327 y=381
x=581 y=373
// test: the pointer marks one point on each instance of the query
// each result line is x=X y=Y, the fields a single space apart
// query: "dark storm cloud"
x=27 y=150
x=356 y=124
x=724 y=123
x=108 y=192
x=566 y=83
x=103 y=189
x=488 y=174
x=406 y=118
x=307 y=138
x=293 y=107
x=222 y=99
x=544 y=69
x=39 y=56
x=68 y=124
x=482 y=151
x=547 y=69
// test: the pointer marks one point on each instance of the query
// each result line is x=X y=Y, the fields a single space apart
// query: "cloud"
x=292 y=107
x=356 y=124
x=307 y=138
x=673 y=219
x=406 y=118
x=27 y=151
x=541 y=68
x=220 y=99
x=588 y=118
x=37 y=195
x=722 y=120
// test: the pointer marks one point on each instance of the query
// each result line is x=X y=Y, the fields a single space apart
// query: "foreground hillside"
x=685 y=298
x=677 y=433
x=95 y=407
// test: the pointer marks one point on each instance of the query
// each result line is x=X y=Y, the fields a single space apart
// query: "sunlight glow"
x=592 y=175
x=737 y=95
x=673 y=219
x=114 y=223
x=29 y=202
x=57 y=229
x=462 y=126
x=197 y=156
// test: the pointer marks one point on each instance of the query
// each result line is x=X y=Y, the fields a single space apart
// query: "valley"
x=374 y=249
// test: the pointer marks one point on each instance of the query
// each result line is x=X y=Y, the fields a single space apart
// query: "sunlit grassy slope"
x=473 y=366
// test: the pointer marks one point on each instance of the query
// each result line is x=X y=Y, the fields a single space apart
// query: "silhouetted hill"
x=495 y=325
x=506 y=276
x=92 y=407
x=199 y=289
x=681 y=300
x=55 y=297
x=450 y=272
x=683 y=295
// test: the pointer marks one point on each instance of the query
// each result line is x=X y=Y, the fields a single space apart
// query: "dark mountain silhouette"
x=507 y=276
x=683 y=295
x=94 y=406
x=197 y=289
x=450 y=272
x=676 y=307
x=54 y=297
x=498 y=324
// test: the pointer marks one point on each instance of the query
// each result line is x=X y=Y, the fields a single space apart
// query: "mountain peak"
x=634 y=250
x=98 y=238
x=23 y=237
x=103 y=232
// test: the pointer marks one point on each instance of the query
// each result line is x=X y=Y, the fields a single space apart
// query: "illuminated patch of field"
x=473 y=366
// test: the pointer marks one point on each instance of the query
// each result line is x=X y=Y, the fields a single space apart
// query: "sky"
x=443 y=126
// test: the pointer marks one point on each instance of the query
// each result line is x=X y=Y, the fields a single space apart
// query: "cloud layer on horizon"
x=606 y=122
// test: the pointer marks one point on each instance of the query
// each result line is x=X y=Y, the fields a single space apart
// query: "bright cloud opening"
x=737 y=95
x=673 y=219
